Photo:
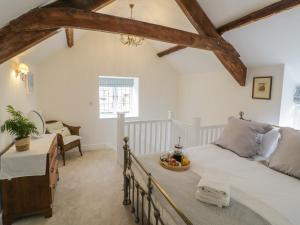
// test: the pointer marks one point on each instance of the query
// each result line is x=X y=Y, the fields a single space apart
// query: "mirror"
x=39 y=121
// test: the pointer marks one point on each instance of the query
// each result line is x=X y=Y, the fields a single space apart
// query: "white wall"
x=68 y=84
x=215 y=96
x=13 y=92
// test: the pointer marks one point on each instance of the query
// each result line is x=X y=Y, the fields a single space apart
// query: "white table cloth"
x=28 y=163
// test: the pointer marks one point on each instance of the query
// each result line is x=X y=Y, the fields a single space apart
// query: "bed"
x=260 y=195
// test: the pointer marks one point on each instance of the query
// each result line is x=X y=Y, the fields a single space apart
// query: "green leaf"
x=18 y=125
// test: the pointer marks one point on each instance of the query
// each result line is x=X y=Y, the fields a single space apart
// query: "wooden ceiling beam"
x=12 y=43
x=202 y=24
x=170 y=50
x=93 y=5
x=267 y=11
x=70 y=36
x=53 y=18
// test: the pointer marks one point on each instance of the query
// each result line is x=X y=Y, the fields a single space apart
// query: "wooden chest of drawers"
x=25 y=196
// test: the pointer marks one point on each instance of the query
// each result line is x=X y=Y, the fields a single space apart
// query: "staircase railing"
x=156 y=136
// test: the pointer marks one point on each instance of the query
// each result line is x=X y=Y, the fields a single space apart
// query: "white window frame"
x=135 y=99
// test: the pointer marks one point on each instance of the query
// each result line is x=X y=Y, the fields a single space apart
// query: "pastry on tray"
x=167 y=160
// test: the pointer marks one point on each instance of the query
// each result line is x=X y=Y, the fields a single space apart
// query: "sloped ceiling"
x=11 y=9
x=272 y=40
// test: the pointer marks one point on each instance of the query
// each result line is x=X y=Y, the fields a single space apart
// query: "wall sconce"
x=22 y=71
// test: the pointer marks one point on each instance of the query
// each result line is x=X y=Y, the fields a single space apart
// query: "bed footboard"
x=139 y=198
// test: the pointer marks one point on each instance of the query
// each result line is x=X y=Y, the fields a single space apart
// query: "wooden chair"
x=68 y=142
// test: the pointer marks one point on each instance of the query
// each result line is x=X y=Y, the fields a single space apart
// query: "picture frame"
x=262 y=87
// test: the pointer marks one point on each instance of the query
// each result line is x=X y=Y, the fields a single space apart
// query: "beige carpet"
x=89 y=192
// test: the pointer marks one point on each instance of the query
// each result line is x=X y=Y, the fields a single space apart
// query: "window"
x=118 y=94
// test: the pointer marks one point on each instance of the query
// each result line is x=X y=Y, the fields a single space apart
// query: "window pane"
x=116 y=94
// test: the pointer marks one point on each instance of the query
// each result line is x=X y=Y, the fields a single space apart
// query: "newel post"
x=171 y=129
x=170 y=115
x=120 y=136
x=196 y=131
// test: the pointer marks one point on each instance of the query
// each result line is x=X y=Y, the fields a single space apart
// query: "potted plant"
x=19 y=126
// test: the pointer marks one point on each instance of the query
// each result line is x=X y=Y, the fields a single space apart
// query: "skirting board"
x=93 y=147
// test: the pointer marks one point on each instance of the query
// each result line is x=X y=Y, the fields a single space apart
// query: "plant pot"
x=22 y=144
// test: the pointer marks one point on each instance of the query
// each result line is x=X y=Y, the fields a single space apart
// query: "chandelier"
x=131 y=40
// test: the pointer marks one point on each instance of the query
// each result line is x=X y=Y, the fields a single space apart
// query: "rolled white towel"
x=220 y=202
x=214 y=188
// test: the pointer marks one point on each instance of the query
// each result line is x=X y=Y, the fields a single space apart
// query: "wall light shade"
x=22 y=71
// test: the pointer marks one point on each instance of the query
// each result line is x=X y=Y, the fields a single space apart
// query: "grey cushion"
x=286 y=157
x=241 y=136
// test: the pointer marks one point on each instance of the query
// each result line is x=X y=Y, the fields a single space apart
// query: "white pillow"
x=269 y=143
x=63 y=131
x=54 y=126
x=286 y=157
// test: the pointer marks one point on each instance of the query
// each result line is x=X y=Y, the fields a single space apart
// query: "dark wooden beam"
x=70 y=36
x=80 y=4
x=170 y=50
x=51 y=18
x=12 y=43
x=197 y=17
x=267 y=11
x=202 y=24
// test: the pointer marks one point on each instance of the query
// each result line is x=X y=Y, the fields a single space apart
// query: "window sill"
x=114 y=116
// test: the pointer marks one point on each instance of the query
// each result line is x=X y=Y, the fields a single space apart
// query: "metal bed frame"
x=135 y=195
x=138 y=197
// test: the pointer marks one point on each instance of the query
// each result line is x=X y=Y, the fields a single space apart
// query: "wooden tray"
x=174 y=168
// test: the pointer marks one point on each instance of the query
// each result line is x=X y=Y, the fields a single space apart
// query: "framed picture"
x=262 y=87
x=29 y=84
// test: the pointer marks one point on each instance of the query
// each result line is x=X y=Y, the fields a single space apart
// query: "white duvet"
x=273 y=195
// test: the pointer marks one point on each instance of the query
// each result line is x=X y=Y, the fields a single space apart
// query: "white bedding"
x=273 y=195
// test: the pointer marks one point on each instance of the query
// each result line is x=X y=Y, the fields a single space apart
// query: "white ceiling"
x=11 y=9
x=270 y=41
x=223 y=11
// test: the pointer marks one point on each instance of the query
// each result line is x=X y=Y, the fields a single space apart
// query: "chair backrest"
x=51 y=121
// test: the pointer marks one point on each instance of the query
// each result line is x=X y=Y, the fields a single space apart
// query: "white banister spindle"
x=209 y=135
x=134 y=137
x=140 y=137
x=200 y=137
x=120 y=136
x=213 y=134
x=150 y=138
x=126 y=129
x=145 y=138
x=171 y=134
x=166 y=135
x=156 y=136
x=160 y=135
